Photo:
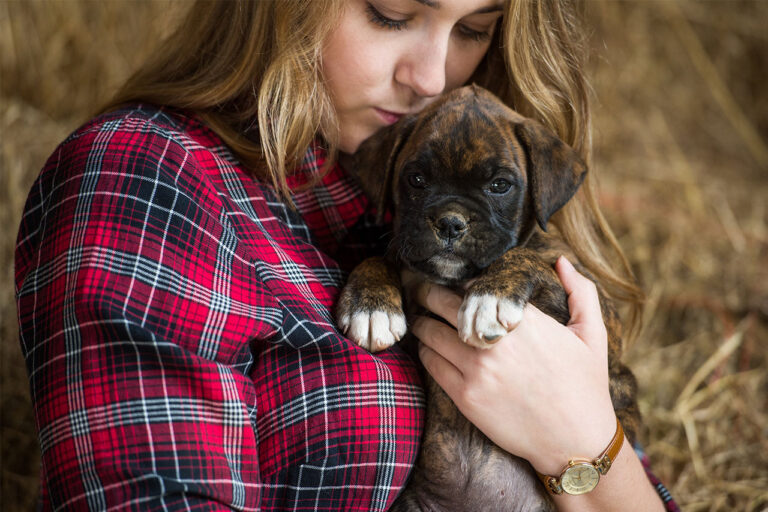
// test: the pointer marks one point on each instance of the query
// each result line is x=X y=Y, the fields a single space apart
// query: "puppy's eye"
x=417 y=180
x=499 y=186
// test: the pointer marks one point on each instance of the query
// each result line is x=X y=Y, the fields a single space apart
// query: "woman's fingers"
x=439 y=300
x=442 y=339
x=443 y=371
x=441 y=353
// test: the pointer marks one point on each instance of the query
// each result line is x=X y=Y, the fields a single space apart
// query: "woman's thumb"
x=583 y=303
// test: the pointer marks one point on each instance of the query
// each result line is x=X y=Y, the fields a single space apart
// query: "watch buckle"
x=554 y=486
x=603 y=464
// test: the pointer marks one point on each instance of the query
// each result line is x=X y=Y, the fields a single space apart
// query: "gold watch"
x=581 y=476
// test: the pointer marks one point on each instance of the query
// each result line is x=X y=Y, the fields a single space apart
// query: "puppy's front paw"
x=370 y=307
x=484 y=318
x=373 y=330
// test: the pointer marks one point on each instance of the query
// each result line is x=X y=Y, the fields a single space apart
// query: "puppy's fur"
x=472 y=185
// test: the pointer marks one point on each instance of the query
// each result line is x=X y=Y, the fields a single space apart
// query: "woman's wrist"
x=626 y=482
x=583 y=436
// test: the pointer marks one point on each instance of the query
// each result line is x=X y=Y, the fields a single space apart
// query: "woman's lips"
x=387 y=116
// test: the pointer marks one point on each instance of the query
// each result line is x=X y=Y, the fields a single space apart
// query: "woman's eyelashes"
x=379 y=19
x=476 y=35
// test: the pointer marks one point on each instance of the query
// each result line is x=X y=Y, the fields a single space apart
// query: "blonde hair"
x=233 y=62
x=539 y=72
x=250 y=70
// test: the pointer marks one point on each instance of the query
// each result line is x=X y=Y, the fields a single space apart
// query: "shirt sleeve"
x=135 y=309
x=661 y=490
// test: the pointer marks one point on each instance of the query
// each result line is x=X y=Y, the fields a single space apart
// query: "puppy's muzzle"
x=449 y=227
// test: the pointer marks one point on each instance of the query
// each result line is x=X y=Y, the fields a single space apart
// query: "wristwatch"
x=581 y=476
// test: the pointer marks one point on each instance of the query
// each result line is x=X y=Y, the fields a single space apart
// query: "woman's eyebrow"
x=435 y=4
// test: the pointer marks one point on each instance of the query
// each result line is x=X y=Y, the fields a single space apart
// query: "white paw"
x=483 y=319
x=374 y=331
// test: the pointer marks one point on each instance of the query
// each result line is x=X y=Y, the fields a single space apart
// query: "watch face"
x=580 y=478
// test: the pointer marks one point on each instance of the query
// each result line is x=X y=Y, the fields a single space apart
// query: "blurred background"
x=681 y=155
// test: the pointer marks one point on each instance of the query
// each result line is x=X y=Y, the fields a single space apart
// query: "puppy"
x=471 y=185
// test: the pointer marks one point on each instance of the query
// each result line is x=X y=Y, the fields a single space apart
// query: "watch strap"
x=602 y=463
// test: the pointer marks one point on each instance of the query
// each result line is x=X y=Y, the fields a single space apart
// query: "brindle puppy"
x=471 y=185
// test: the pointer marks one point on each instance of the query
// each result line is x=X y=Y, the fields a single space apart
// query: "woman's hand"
x=541 y=392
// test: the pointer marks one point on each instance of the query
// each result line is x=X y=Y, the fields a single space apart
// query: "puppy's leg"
x=494 y=303
x=370 y=308
x=622 y=384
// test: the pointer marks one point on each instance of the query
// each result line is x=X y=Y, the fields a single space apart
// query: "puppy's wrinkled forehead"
x=463 y=128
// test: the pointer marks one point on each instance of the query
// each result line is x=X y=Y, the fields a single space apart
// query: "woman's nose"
x=423 y=68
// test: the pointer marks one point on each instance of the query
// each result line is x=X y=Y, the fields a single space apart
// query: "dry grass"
x=681 y=118
x=681 y=146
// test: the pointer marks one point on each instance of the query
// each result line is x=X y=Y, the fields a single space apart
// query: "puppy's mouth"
x=448 y=266
x=445 y=267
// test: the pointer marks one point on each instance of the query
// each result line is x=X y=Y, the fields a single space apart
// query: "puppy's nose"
x=450 y=227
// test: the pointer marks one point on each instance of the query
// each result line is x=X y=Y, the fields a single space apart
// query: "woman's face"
x=388 y=58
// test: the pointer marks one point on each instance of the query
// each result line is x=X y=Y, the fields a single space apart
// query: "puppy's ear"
x=373 y=164
x=555 y=170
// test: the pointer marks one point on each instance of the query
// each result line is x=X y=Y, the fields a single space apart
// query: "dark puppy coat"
x=471 y=185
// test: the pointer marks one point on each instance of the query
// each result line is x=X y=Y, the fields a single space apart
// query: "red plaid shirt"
x=175 y=319
x=176 y=322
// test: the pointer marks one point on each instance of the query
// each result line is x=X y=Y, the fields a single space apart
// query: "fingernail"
x=565 y=262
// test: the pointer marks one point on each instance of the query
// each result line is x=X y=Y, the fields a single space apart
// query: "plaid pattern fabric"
x=175 y=320
x=666 y=497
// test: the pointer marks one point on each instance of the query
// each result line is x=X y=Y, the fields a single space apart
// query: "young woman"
x=180 y=254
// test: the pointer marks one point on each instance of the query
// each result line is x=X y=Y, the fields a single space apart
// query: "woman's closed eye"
x=400 y=22
x=480 y=36
x=377 y=18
